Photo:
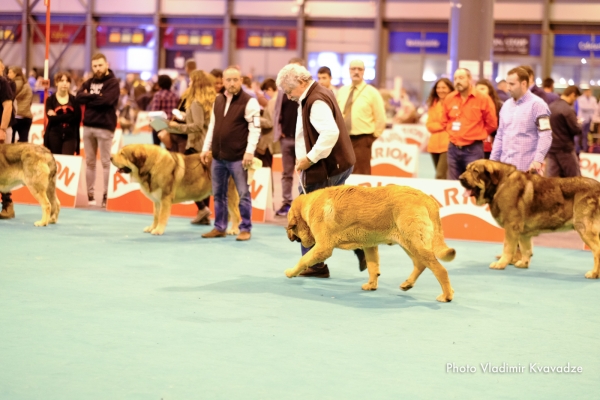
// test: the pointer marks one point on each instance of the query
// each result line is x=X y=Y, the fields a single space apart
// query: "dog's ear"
x=493 y=173
x=138 y=159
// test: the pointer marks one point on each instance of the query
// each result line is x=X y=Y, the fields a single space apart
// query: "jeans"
x=221 y=171
x=288 y=159
x=94 y=138
x=336 y=180
x=461 y=156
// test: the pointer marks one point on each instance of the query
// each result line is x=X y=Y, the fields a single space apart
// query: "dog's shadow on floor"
x=482 y=270
x=344 y=292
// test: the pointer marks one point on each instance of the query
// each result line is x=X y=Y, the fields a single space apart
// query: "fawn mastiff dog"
x=354 y=217
x=526 y=204
x=33 y=166
x=168 y=178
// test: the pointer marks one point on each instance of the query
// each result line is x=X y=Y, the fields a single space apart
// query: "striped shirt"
x=519 y=140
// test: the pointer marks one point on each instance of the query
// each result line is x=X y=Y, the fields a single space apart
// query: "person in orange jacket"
x=438 y=142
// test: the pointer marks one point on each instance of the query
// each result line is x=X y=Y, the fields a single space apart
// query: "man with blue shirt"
x=524 y=135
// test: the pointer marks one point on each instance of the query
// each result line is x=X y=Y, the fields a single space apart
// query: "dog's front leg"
x=372 y=257
x=314 y=256
x=511 y=239
x=156 y=207
x=163 y=214
x=526 y=252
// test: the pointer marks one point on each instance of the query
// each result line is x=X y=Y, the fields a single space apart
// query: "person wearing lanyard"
x=468 y=117
x=324 y=151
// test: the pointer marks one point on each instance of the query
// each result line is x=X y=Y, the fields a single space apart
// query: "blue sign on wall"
x=414 y=42
x=576 y=46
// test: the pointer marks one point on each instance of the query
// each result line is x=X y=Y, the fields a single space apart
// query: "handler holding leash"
x=324 y=154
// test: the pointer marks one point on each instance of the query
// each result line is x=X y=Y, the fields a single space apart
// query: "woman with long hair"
x=64 y=118
x=439 y=140
x=198 y=99
x=486 y=87
x=23 y=97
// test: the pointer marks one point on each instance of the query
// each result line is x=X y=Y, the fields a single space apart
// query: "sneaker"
x=201 y=217
x=283 y=211
x=91 y=200
x=316 y=271
x=104 y=201
x=8 y=211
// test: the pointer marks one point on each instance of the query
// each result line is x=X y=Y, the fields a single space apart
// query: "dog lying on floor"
x=526 y=204
x=354 y=217
x=168 y=178
x=33 y=166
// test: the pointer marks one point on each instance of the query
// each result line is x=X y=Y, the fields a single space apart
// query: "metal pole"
x=157 y=37
x=25 y=36
x=379 y=52
x=547 y=41
x=89 y=32
x=47 y=59
x=300 y=32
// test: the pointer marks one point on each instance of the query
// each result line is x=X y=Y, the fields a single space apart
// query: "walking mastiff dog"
x=526 y=204
x=33 y=166
x=354 y=217
x=168 y=178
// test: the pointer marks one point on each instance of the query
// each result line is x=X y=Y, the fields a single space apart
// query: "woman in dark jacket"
x=64 y=118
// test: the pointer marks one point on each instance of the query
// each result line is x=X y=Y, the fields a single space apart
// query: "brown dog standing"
x=526 y=204
x=354 y=217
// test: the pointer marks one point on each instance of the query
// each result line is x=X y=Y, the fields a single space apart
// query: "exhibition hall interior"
x=235 y=199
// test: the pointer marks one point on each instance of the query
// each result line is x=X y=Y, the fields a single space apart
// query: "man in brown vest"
x=231 y=139
x=323 y=148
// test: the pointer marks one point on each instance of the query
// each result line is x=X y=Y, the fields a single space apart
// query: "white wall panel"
x=124 y=7
x=340 y=9
x=576 y=12
x=207 y=61
x=61 y=6
x=265 y=8
x=418 y=10
x=195 y=7
x=518 y=11
x=72 y=59
x=263 y=63
x=341 y=40
x=11 y=54
x=10 y=6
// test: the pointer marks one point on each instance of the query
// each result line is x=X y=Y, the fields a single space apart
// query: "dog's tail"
x=440 y=248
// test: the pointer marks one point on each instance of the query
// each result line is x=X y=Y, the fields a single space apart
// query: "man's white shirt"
x=321 y=118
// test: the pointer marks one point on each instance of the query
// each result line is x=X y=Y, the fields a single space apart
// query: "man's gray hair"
x=291 y=75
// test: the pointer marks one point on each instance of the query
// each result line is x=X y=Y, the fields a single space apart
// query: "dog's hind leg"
x=54 y=203
x=440 y=273
x=39 y=192
x=319 y=253
x=526 y=247
x=372 y=257
x=418 y=269
x=590 y=236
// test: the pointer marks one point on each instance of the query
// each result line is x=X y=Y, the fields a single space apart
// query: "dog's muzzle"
x=125 y=170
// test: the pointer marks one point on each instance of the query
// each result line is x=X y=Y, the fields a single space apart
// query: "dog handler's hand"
x=247 y=161
x=303 y=164
x=537 y=166
x=205 y=156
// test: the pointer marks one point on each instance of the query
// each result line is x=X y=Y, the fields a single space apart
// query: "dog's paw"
x=591 y=275
x=52 y=220
x=406 y=286
x=290 y=273
x=442 y=298
x=522 y=264
x=149 y=229
x=157 y=231
x=369 y=286
x=233 y=231
x=40 y=223
x=497 y=265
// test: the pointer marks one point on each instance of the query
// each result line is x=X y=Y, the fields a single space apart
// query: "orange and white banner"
x=411 y=134
x=68 y=178
x=394 y=158
x=37 y=109
x=142 y=122
x=126 y=196
x=589 y=164
x=36 y=134
x=461 y=218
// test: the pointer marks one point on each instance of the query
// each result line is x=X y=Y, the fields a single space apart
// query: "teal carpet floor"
x=92 y=308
